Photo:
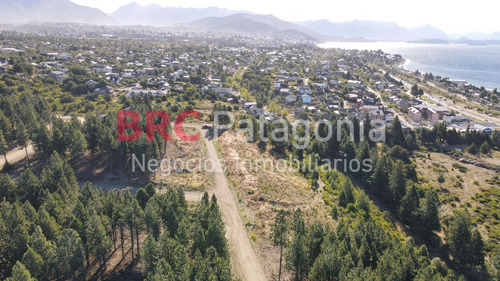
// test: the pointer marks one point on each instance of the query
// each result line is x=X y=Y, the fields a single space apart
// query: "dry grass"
x=189 y=176
x=459 y=187
x=262 y=192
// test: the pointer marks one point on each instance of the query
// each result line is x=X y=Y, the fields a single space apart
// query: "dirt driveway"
x=244 y=261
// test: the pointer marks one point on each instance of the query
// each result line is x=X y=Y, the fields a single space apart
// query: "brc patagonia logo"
x=152 y=116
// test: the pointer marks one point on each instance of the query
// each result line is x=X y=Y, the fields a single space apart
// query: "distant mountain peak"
x=23 y=11
x=375 y=30
x=155 y=15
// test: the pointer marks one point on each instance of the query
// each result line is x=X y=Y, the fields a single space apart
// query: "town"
x=74 y=207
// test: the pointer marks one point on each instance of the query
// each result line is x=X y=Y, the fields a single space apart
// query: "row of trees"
x=441 y=134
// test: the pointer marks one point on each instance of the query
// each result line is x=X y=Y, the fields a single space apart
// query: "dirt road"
x=244 y=261
x=17 y=154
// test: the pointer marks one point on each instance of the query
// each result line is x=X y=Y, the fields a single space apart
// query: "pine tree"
x=396 y=133
x=279 y=235
x=429 y=213
x=99 y=242
x=409 y=204
x=459 y=239
x=3 y=147
x=397 y=183
x=70 y=255
x=296 y=255
x=346 y=195
x=28 y=188
x=22 y=138
x=41 y=140
x=472 y=149
x=485 y=148
x=20 y=273
x=34 y=263
x=77 y=143
x=379 y=178
x=363 y=203
x=7 y=188
x=477 y=248
x=142 y=197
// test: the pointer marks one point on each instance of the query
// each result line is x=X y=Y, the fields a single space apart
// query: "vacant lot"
x=465 y=185
x=184 y=163
x=261 y=192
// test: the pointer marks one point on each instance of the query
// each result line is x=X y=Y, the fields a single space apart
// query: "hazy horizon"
x=451 y=17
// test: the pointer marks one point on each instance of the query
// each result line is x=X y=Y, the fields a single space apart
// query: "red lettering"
x=151 y=127
x=122 y=125
x=179 y=121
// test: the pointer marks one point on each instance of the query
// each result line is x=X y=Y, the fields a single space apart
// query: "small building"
x=247 y=105
x=306 y=99
x=415 y=114
x=355 y=84
x=106 y=90
x=284 y=91
x=291 y=99
x=486 y=127
x=380 y=85
x=57 y=75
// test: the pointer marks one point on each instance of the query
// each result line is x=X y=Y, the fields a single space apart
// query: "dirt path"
x=17 y=154
x=243 y=258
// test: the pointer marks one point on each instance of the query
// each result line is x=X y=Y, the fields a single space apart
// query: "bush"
x=460 y=168
x=67 y=99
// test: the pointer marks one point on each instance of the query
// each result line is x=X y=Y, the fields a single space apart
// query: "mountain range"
x=217 y=20
x=251 y=23
x=23 y=11
x=373 y=30
x=155 y=15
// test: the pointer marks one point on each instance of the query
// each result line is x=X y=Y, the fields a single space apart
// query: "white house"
x=355 y=84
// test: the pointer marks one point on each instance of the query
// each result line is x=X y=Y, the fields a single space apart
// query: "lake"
x=477 y=64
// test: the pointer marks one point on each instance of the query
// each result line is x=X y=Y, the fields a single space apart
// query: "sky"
x=456 y=16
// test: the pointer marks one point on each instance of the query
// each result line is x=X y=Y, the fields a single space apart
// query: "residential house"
x=103 y=69
x=355 y=84
x=291 y=99
x=58 y=75
x=306 y=99
x=304 y=90
x=106 y=90
x=380 y=85
x=247 y=105
x=284 y=91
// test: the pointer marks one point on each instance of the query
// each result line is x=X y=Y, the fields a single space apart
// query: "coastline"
x=411 y=64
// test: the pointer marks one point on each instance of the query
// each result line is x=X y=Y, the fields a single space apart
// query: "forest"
x=54 y=230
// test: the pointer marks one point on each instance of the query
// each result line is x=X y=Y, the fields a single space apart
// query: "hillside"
x=136 y=14
x=375 y=30
x=24 y=11
x=247 y=23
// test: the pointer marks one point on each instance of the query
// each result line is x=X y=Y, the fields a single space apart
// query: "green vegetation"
x=62 y=232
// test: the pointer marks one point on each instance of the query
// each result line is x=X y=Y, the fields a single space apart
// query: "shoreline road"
x=244 y=260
